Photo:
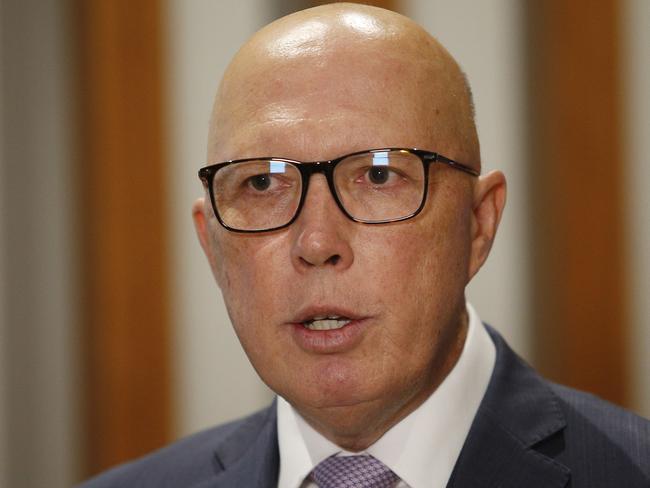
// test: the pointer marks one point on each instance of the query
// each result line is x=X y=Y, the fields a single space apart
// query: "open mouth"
x=326 y=323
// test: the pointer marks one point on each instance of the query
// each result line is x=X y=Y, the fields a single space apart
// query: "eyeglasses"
x=373 y=187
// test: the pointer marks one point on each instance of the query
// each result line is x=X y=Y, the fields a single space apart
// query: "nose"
x=322 y=232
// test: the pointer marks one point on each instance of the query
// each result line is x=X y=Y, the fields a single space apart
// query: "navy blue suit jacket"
x=527 y=433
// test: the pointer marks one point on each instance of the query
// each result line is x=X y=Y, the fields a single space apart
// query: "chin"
x=334 y=385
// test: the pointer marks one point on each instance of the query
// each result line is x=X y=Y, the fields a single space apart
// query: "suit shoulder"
x=599 y=443
x=605 y=433
x=612 y=419
x=186 y=462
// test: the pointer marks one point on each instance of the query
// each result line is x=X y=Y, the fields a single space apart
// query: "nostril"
x=305 y=262
x=333 y=259
x=321 y=247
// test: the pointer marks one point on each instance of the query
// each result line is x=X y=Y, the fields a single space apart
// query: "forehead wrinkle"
x=301 y=139
x=316 y=111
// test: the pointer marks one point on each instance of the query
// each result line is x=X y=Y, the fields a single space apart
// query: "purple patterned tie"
x=363 y=471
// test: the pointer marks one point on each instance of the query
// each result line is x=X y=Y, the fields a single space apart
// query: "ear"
x=202 y=230
x=487 y=208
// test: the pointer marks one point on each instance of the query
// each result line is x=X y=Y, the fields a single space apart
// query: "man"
x=343 y=253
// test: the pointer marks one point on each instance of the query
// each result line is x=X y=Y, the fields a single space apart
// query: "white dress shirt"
x=422 y=448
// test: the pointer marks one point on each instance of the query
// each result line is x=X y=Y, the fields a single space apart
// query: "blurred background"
x=113 y=337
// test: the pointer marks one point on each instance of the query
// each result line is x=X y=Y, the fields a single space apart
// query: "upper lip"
x=311 y=312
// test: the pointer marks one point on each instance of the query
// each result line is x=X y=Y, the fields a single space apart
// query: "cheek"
x=421 y=272
x=428 y=261
x=251 y=286
x=449 y=236
x=248 y=274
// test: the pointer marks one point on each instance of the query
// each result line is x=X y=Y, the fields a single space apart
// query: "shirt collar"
x=422 y=448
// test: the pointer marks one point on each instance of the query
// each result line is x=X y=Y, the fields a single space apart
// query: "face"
x=398 y=287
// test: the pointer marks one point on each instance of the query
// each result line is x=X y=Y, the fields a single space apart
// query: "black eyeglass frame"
x=307 y=169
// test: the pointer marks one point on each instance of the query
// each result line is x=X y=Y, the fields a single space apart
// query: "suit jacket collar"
x=249 y=456
x=518 y=412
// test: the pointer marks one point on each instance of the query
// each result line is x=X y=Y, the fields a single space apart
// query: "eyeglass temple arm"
x=439 y=158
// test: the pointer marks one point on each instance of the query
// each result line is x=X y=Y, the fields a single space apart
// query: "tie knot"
x=363 y=471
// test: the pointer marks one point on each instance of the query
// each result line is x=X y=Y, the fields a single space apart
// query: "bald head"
x=327 y=77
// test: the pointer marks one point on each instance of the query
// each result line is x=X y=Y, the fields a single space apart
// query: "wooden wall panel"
x=122 y=174
x=394 y=5
x=285 y=7
x=577 y=193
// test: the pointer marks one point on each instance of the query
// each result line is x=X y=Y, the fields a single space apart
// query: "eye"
x=260 y=182
x=379 y=174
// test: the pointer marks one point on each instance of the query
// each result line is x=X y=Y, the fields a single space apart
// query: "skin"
x=316 y=85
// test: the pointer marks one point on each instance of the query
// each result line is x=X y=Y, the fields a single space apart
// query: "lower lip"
x=330 y=341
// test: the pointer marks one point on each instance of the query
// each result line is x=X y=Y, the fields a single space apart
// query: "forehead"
x=320 y=109
x=308 y=98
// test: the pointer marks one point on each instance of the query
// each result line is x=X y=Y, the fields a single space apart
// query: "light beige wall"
x=636 y=49
x=39 y=365
x=4 y=444
x=214 y=380
x=486 y=38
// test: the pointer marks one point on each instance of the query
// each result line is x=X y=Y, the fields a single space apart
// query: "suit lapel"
x=517 y=416
x=249 y=456
x=492 y=457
